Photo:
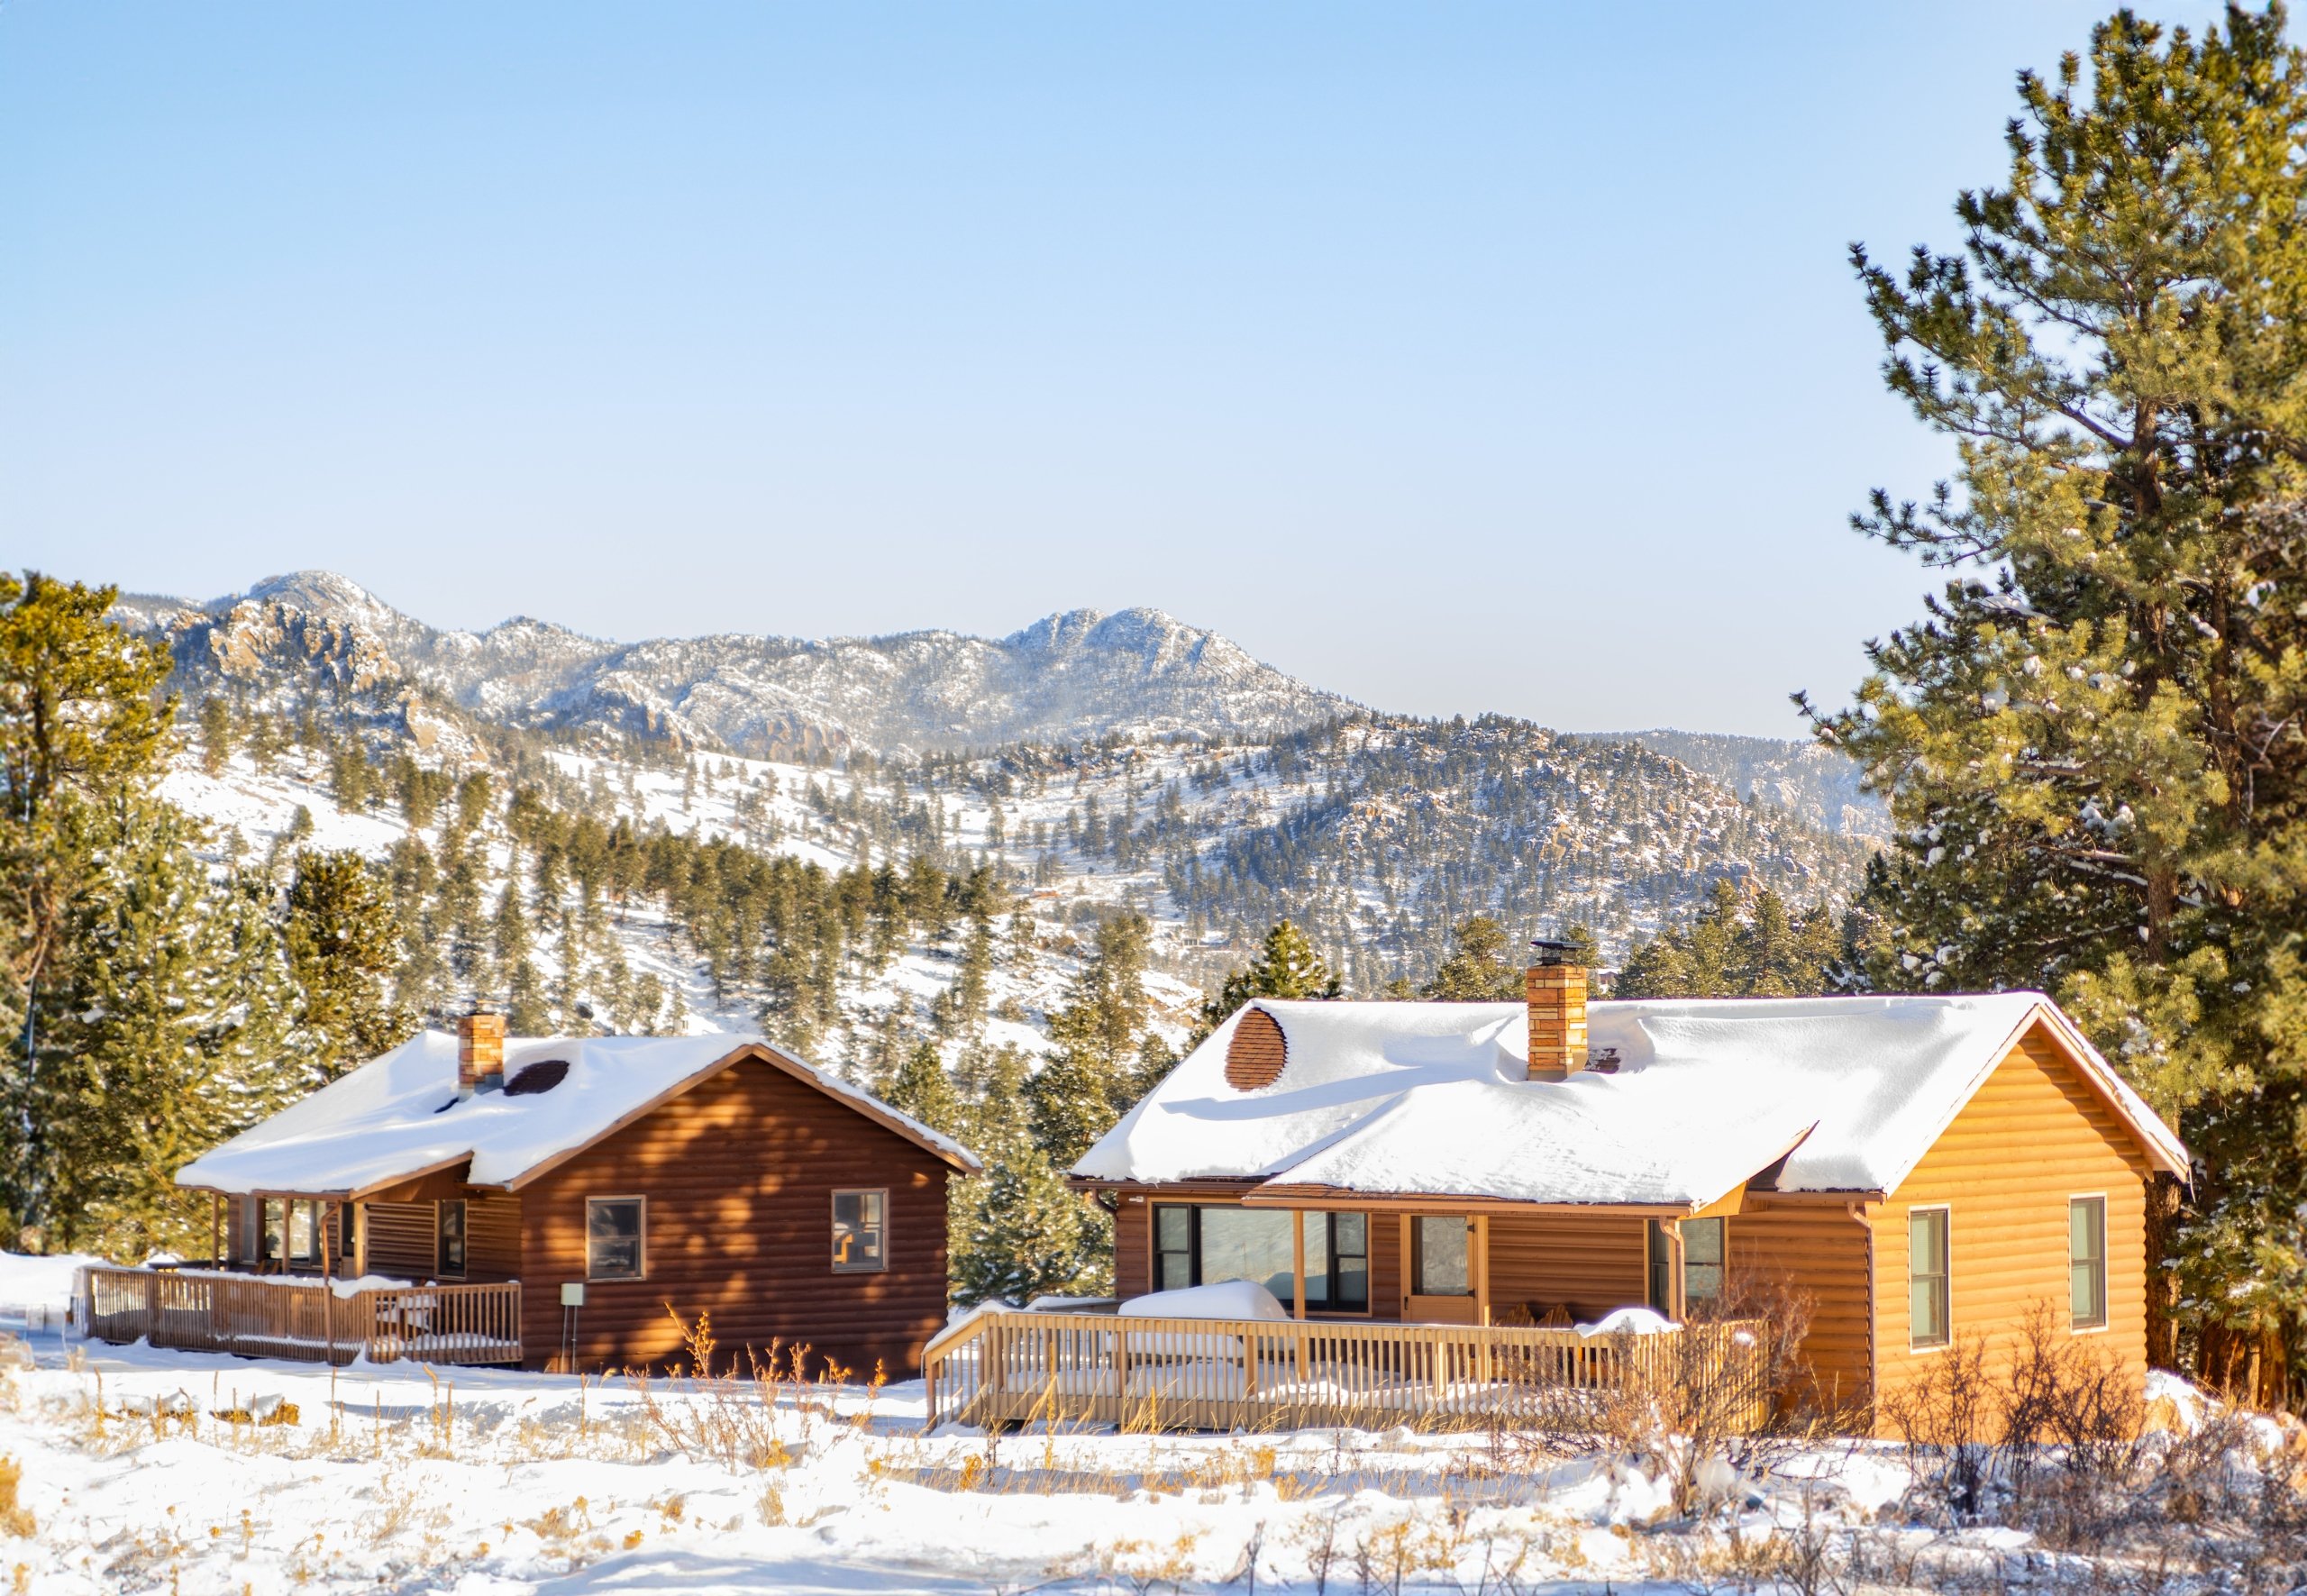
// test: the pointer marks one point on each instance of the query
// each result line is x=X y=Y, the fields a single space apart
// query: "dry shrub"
x=2054 y=1431
x=15 y=1519
x=1712 y=1399
x=732 y=1417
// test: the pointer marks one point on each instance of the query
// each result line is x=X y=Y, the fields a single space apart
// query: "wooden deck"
x=304 y=1319
x=1155 y=1373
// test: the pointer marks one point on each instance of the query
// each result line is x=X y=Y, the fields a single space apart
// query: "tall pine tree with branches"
x=2095 y=742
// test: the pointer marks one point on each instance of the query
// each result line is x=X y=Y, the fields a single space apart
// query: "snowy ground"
x=138 y=1477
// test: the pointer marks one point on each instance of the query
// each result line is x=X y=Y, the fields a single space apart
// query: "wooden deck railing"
x=1156 y=1373
x=267 y=1317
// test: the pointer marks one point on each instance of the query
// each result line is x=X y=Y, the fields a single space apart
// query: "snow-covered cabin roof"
x=1422 y=1099
x=399 y=1116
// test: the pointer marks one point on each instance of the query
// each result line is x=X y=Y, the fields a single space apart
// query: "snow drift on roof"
x=398 y=1115
x=1419 y=1099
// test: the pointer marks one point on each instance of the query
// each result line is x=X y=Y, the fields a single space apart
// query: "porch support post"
x=1408 y=1271
x=1298 y=1260
x=359 y=1239
x=215 y=1229
x=1481 y=1269
x=1678 y=1305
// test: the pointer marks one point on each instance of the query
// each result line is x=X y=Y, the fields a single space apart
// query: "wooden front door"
x=1442 y=1269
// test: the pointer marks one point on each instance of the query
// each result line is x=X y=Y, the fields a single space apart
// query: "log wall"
x=1821 y=1253
x=2034 y=1137
x=739 y=1174
x=1588 y=1265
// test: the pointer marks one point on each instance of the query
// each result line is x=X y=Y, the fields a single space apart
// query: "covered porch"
x=432 y=1226
x=1329 y=1255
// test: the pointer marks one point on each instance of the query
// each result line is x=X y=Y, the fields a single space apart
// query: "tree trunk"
x=2162 y=1285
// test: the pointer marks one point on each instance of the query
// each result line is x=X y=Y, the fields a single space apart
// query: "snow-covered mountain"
x=1075 y=677
x=1091 y=764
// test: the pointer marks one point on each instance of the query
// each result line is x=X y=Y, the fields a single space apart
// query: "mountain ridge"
x=1075 y=675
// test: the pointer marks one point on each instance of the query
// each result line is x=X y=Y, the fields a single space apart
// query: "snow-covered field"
x=140 y=1471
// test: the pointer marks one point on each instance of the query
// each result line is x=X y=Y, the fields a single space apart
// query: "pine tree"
x=181 y=1029
x=343 y=939
x=82 y=730
x=1099 y=1071
x=1288 y=965
x=1020 y=1232
x=215 y=735
x=923 y=1090
x=2092 y=743
x=1477 y=971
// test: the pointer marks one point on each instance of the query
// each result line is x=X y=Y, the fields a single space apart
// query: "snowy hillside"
x=1166 y=773
x=1803 y=778
x=1068 y=678
x=1377 y=834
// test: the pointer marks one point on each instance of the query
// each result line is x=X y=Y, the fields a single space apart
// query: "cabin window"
x=1444 y=1256
x=1337 y=1261
x=1929 y=1306
x=2086 y=1262
x=1702 y=1259
x=1197 y=1245
x=1174 y=1237
x=859 y=1231
x=1705 y=1254
x=614 y=1238
x=291 y=1232
x=450 y=1255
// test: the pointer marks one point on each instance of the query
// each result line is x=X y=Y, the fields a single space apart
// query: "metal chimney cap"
x=1551 y=953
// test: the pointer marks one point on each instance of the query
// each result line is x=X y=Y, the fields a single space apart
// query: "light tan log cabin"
x=1922 y=1169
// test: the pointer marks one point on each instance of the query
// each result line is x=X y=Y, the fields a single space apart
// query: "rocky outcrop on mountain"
x=1802 y=779
x=1074 y=677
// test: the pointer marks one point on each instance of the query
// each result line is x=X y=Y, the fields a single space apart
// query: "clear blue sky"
x=1456 y=358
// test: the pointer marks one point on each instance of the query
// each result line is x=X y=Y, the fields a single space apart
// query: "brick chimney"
x=481 y=1048
x=1556 y=993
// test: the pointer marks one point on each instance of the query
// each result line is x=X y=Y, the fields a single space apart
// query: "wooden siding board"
x=401 y=1239
x=1817 y=1253
x=739 y=1174
x=1588 y=1265
x=2033 y=1137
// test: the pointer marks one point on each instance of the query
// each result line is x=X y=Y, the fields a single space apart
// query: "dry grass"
x=15 y=1519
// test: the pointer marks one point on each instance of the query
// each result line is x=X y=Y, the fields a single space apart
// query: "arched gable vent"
x=1258 y=1051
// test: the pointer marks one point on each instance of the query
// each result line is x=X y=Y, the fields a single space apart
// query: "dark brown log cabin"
x=740 y=1186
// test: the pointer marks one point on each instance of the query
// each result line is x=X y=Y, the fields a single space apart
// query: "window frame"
x=642 y=1271
x=880 y=1264
x=1658 y=1259
x=1418 y=1255
x=464 y=1238
x=1156 y=1252
x=1945 y=1277
x=2098 y=1200
x=1369 y=1268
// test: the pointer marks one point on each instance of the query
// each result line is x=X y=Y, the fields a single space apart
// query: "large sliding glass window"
x=1201 y=1245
